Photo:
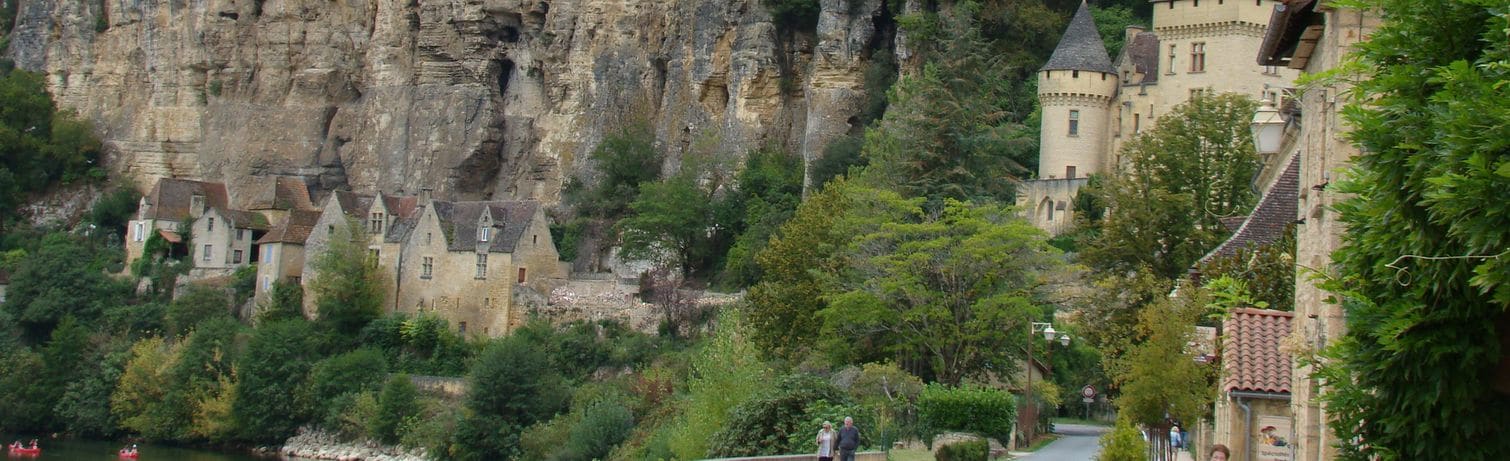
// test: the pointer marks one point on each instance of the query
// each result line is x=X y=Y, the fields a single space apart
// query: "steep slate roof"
x=353 y=204
x=294 y=229
x=1081 y=47
x=281 y=193
x=1143 y=53
x=459 y=221
x=244 y=219
x=170 y=198
x=1270 y=219
x=1251 y=359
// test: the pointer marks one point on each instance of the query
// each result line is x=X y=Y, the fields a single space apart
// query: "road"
x=1077 y=442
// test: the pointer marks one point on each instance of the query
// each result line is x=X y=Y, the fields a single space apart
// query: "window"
x=482 y=233
x=240 y=234
x=1198 y=57
x=1171 y=55
x=1074 y=74
x=330 y=229
x=427 y=238
x=461 y=328
x=137 y=229
x=482 y=265
x=426 y=267
x=267 y=283
x=267 y=252
x=1136 y=123
x=375 y=225
x=1069 y=172
x=521 y=275
x=1074 y=123
x=206 y=256
x=295 y=280
x=236 y=257
x=211 y=225
x=535 y=239
x=374 y=255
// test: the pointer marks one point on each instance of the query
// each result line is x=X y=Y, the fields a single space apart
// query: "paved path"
x=1076 y=443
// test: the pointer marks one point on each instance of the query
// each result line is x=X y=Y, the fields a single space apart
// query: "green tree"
x=669 y=223
x=1159 y=377
x=513 y=386
x=85 y=406
x=766 y=194
x=345 y=375
x=277 y=360
x=349 y=286
x=725 y=373
x=1123 y=443
x=978 y=410
x=776 y=422
x=1112 y=22
x=198 y=303
x=955 y=129
x=284 y=302
x=1194 y=167
x=61 y=277
x=782 y=308
x=398 y=402
x=38 y=144
x=950 y=294
x=138 y=400
x=1422 y=270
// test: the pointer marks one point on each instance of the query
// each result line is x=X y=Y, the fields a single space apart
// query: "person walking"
x=826 y=438
x=849 y=440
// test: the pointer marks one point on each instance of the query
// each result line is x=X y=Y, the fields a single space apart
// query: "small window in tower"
x=1069 y=172
x=1171 y=55
x=1074 y=74
x=1198 y=57
x=1137 y=122
x=482 y=265
x=521 y=275
x=1074 y=123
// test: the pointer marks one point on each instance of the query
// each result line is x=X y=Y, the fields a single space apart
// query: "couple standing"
x=847 y=439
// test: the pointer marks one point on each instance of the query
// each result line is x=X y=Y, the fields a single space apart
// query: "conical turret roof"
x=1081 y=47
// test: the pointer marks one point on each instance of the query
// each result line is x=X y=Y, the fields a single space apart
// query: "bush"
x=513 y=386
x=196 y=305
x=776 y=423
x=354 y=372
x=1123 y=443
x=974 y=450
x=603 y=425
x=398 y=402
x=277 y=359
x=977 y=410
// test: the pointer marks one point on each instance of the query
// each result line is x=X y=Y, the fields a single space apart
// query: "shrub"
x=974 y=450
x=196 y=305
x=978 y=410
x=354 y=372
x=777 y=422
x=603 y=425
x=1123 y=443
x=398 y=402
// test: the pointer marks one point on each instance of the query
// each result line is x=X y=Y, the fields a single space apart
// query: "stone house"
x=1314 y=36
x=168 y=209
x=1091 y=104
x=468 y=261
x=220 y=239
x=282 y=251
x=374 y=214
x=1252 y=414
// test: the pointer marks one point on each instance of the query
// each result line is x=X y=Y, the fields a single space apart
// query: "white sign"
x=1088 y=392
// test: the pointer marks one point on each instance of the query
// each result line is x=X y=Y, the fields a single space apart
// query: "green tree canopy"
x=61 y=277
x=348 y=285
x=949 y=293
x=1194 y=167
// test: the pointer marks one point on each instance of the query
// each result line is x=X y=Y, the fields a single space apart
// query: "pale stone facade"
x=1092 y=105
x=1314 y=37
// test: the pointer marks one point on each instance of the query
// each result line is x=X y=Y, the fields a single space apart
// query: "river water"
x=94 y=450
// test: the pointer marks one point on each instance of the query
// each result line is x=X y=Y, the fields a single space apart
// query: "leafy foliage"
x=38 y=144
x=725 y=373
x=61 y=277
x=1267 y=272
x=793 y=14
x=277 y=360
x=949 y=293
x=343 y=375
x=398 y=402
x=1159 y=377
x=512 y=387
x=974 y=409
x=971 y=450
x=197 y=304
x=1422 y=269
x=1191 y=169
x=954 y=130
x=349 y=288
x=1123 y=443
x=777 y=422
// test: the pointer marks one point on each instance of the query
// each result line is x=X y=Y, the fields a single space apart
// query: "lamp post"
x=1048 y=335
x=1268 y=128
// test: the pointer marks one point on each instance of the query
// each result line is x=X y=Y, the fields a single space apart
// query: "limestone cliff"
x=476 y=98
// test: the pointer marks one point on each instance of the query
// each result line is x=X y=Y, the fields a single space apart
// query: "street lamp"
x=1048 y=335
x=1268 y=128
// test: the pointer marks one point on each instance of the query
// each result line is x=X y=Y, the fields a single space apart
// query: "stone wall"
x=478 y=98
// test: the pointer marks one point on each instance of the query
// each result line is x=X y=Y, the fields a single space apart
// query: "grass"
x=1042 y=441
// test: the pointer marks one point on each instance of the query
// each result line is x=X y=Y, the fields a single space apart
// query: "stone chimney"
x=1132 y=31
x=424 y=195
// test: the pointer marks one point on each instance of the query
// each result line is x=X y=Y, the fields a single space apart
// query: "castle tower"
x=1075 y=89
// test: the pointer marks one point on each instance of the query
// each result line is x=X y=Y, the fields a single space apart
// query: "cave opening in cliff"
x=505 y=71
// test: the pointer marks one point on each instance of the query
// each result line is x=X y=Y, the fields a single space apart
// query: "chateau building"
x=1091 y=105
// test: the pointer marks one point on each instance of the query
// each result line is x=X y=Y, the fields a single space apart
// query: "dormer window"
x=196 y=203
x=483 y=233
x=210 y=226
x=375 y=225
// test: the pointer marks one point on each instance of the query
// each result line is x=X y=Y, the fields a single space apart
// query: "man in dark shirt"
x=849 y=440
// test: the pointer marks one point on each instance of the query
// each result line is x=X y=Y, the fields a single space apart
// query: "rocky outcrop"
x=315 y=444
x=476 y=98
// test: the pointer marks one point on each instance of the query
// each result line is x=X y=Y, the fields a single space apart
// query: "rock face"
x=475 y=98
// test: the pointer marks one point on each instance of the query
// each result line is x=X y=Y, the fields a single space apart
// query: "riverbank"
x=315 y=444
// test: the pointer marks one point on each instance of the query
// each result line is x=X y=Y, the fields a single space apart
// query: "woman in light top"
x=826 y=438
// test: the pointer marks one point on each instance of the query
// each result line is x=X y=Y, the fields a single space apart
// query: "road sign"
x=1088 y=392
x=1088 y=399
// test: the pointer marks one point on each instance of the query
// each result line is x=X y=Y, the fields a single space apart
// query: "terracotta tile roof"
x=294 y=229
x=279 y=193
x=353 y=204
x=1251 y=359
x=245 y=219
x=170 y=236
x=1081 y=47
x=170 y=198
x=1270 y=219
